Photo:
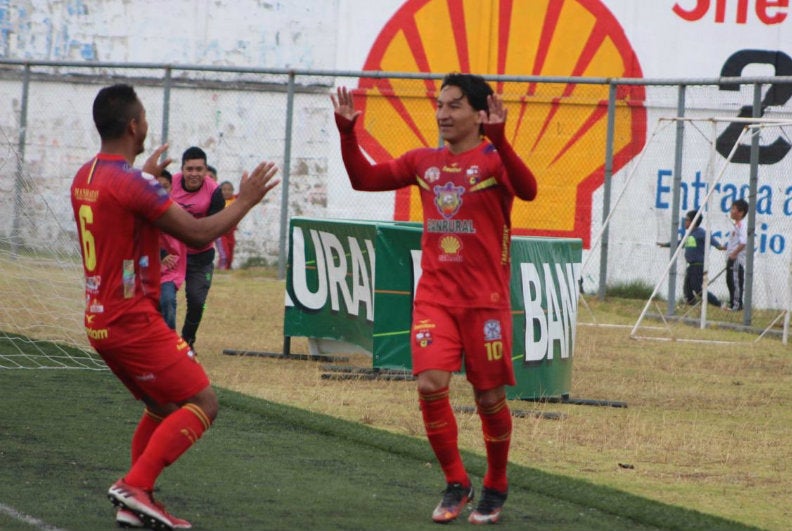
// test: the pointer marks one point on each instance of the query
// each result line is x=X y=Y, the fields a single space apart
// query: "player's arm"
x=522 y=180
x=363 y=175
x=198 y=232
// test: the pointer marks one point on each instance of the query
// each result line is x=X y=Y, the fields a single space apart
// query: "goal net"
x=718 y=166
x=41 y=309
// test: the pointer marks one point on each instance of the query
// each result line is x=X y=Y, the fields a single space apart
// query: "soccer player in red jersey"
x=119 y=212
x=462 y=307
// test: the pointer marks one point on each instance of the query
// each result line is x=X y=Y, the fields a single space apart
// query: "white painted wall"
x=240 y=128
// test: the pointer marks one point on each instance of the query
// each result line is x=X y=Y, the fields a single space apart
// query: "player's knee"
x=489 y=398
x=432 y=381
x=207 y=401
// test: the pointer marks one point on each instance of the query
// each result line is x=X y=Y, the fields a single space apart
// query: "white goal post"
x=782 y=280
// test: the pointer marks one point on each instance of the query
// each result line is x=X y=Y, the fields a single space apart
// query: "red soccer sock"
x=145 y=428
x=496 y=423
x=175 y=434
x=441 y=429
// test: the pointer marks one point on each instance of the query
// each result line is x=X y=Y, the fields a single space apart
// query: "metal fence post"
x=166 y=92
x=606 y=191
x=19 y=182
x=284 y=218
x=674 y=236
x=753 y=185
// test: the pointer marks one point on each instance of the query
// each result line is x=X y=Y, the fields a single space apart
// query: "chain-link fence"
x=602 y=149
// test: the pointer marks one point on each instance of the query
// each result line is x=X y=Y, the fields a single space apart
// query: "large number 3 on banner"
x=88 y=245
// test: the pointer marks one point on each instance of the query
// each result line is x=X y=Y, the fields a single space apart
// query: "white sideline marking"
x=35 y=522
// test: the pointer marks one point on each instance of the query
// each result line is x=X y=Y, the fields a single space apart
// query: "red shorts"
x=151 y=359
x=442 y=336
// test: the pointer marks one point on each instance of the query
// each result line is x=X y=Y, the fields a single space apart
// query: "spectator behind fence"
x=735 y=255
x=694 y=246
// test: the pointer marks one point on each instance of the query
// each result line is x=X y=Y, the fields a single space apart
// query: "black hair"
x=167 y=175
x=691 y=214
x=192 y=153
x=474 y=87
x=211 y=169
x=113 y=108
x=742 y=205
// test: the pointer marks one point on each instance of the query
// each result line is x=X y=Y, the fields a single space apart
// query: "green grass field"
x=64 y=437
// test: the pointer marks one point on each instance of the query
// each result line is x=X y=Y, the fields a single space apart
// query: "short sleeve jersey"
x=114 y=206
x=196 y=203
x=466 y=200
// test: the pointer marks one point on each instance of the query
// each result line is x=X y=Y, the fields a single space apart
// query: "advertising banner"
x=353 y=282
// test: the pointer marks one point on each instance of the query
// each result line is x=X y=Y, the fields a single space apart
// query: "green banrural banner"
x=352 y=282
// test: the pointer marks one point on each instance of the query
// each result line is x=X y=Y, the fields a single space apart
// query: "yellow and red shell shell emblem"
x=450 y=245
x=559 y=129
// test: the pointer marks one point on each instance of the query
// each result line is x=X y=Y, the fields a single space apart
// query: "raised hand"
x=497 y=111
x=343 y=104
x=255 y=185
x=153 y=164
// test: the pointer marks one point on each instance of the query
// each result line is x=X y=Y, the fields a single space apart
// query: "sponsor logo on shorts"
x=492 y=330
x=423 y=333
x=423 y=338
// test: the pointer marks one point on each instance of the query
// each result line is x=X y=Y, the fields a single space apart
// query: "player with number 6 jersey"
x=119 y=212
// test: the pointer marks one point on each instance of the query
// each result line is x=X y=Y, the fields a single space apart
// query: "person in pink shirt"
x=173 y=256
x=201 y=197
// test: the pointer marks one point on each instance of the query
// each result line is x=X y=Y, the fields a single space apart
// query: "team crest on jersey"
x=492 y=330
x=432 y=174
x=448 y=199
x=473 y=174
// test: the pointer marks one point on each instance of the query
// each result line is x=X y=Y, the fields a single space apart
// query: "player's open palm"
x=255 y=185
x=343 y=104
x=497 y=111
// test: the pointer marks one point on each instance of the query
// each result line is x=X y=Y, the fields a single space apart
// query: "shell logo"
x=558 y=128
x=450 y=244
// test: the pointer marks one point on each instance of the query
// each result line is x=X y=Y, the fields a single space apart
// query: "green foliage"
x=266 y=466
x=630 y=290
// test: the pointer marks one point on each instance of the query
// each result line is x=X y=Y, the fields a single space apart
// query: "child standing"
x=694 y=256
x=225 y=244
x=173 y=257
x=735 y=261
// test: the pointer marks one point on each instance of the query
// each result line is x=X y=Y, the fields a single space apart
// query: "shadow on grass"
x=64 y=438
